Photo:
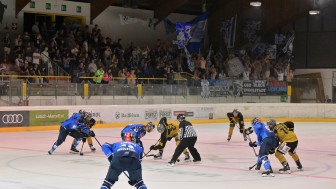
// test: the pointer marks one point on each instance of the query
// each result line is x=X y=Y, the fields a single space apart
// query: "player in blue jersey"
x=75 y=126
x=138 y=130
x=267 y=140
x=124 y=156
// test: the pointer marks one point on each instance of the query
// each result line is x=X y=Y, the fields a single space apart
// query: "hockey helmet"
x=129 y=137
x=160 y=128
x=271 y=123
x=150 y=126
x=255 y=120
x=180 y=117
x=87 y=115
x=235 y=111
x=163 y=120
x=81 y=112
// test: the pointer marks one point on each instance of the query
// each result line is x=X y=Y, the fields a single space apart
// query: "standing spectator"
x=107 y=77
x=99 y=75
x=188 y=138
x=92 y=68
x=36 y=57
x=7 y=46
x=36 y=28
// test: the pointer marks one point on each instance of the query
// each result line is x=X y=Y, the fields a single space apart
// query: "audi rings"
x=12 y=118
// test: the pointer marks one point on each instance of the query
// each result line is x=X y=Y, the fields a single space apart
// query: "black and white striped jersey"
x=186 y=130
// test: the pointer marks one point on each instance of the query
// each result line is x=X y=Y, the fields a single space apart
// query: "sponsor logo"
x=165 y=113
x=179 y=112
x=189 y=114
x=49 y=116
x=12 y=118
x=151 y=114
x=210 y=115
x=120 y=115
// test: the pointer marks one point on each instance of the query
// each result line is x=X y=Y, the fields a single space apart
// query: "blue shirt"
x=75 y=122
x=138 y=130
x=123 y=149
x=262 y=132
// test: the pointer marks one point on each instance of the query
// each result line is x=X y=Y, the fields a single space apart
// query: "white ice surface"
x=25 y=164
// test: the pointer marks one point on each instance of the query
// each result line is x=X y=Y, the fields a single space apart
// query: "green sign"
x=32 y=4
x=48 y=6
x=78 y=9
x=47 y=117
x=63 y=8
x=283 y=98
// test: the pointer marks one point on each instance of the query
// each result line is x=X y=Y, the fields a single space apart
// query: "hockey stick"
x=146 y=154
x=101 y=147
x=248 y=137
x=252 y=166
x=81 y=153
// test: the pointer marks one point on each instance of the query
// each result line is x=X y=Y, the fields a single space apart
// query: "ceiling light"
x=255 y=3
x=314 y=12
x=315 y=9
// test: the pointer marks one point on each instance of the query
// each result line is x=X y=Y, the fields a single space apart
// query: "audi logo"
x=12 y=118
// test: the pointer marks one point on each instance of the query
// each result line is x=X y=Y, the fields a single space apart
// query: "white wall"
x=109 y=22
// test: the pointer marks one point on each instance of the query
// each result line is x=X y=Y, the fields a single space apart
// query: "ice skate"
x=158 y=156
x=285 y=169
x=73 y=150
x=171 y=164
x=92 y=148
x=50 y=152
x=229 y=138
x=197 y=161
x=299 y=165
x=187 y=157
x=268 y=173
x=258 y=167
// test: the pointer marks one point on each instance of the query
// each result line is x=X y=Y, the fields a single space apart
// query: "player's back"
x=284 y=134
x=127 y=149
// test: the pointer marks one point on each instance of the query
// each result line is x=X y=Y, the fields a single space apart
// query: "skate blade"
x=285 y=172
x=269 y=175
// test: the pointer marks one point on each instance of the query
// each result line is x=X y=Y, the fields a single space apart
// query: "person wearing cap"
x=168 y=131
x=138 y=130
x=188 y=138
x=236 y=117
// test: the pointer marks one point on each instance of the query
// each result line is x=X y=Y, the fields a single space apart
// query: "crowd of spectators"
x=85 y=52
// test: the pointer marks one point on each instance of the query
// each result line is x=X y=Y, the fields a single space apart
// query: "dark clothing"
x=234 y=120
x=186 y=130
x=120 y=164
x=267 y=144
x=187 y=143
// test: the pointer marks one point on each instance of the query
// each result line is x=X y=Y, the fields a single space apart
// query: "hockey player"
x=138 y=130
x=188 y=138
x=236 y=117
x=288 y=143
x=75 y=127
x=168 y=131
x=124 y=156
x=266 y=140
x=88 y=124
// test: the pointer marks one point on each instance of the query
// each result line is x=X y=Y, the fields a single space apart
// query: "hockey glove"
x=253 y=144
x=248 y=131
x=92 y=134
x=83 y=140
x=153 y=147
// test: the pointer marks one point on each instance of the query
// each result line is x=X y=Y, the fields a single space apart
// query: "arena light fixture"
x=255 y=3
x=315 y=9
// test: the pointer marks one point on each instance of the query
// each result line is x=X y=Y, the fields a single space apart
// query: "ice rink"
x=25 y=164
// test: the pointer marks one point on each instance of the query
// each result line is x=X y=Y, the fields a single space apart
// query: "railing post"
x=139 y=90
x=86 y=90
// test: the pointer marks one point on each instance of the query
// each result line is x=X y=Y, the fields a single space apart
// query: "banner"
x=228 y=29
x=226 y=87
x=277 y=88
x=254 y=88
x=47 y=117
x=126 y=20
x=235 y=67
x=183 y=34
x=169 y=26
x=14 y=118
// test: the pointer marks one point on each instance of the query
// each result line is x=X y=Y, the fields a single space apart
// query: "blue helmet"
x=255 y=120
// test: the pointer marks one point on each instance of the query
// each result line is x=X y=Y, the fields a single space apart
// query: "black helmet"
x=255 y=121
x=180 y=116
x=235 y=111
x=271 y=123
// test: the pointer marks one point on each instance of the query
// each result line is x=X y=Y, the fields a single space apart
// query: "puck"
x=81 y=154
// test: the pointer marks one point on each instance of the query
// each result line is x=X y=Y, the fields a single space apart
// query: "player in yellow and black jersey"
x=168 y=131
x=288 y=143
x=236 y=117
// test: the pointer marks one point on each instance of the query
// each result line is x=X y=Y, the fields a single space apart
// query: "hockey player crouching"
x=75 y=127
x=124 y=156
x=288 y=143
x=267 y=140
x=89 y=124
x=168 y=131
x=236 y=117
x=138 y=130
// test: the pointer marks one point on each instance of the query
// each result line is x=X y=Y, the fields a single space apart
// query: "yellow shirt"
x=284 y=134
